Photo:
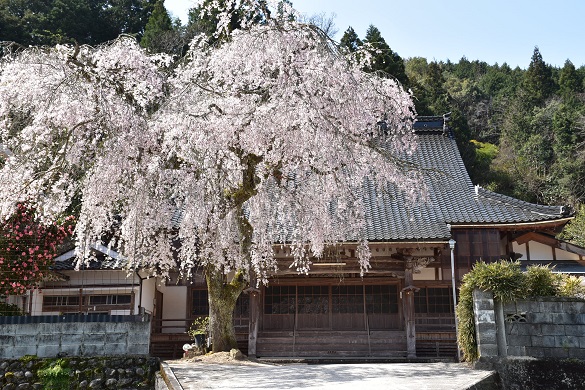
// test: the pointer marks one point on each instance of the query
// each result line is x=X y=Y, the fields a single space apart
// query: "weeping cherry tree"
x=262 y=139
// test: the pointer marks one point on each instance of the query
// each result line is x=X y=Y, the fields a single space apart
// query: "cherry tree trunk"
x=222 y=302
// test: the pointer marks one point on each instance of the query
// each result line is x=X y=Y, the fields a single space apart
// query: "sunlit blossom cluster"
x=263 y=140
x=27 y=249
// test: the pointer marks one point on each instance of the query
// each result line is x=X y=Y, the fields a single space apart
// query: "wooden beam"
x=408 y=310
x=254 y=315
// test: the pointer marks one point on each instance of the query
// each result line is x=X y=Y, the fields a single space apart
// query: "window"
x=313 y=299
x=95 y=300
x=381 y=299
x=200 y=303
x=61 y=301
x=76 y=303
x=347 y=299
x=433 y=300
x=280 y=300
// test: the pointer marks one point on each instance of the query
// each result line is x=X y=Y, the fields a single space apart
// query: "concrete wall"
x=546 y=327
x=74 y=339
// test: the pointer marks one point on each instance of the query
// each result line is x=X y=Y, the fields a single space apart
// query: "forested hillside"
x=521 y=131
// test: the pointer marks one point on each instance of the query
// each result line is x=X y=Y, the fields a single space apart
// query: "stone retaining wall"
x=547 y=327
x=74 y=339
x=115 y=372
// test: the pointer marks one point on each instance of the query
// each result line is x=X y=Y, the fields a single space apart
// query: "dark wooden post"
x=408 y=309
x=254 y=317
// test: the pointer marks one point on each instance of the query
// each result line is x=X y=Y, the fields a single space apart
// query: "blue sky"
x=492 y=31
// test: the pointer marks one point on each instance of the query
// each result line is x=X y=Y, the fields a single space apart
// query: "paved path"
x=369 y=376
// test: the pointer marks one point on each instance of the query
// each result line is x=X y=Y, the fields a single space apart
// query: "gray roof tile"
x=453 y=199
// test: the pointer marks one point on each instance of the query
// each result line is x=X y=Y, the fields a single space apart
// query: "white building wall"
x=564 y=255
x=148 y=291
x=174 y=307
x=540 y=251
x=520 y=249
x=425 y=274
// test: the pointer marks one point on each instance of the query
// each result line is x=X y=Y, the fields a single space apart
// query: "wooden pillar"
x=253 y=320
x=408 y=309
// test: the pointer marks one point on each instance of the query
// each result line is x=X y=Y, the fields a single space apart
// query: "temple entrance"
x=353 y=319
x=332 y=307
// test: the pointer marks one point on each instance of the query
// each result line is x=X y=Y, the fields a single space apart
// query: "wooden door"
x=313 y=307
x=347 y=307
x=382 y=309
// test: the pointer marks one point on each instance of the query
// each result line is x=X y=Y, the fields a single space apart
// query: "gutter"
x=518 y=224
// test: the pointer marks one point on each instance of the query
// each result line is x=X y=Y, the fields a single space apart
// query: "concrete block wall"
x=546 y=327
x=485 y=323
x=74 y=339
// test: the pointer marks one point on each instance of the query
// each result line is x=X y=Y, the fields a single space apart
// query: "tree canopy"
x=262 y=139
x=42 y=22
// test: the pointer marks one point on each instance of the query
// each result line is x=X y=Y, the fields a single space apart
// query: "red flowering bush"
x=27 y=249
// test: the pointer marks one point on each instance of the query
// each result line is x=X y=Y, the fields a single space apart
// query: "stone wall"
x=74 y=339
x=547 y=327
x=120 y=372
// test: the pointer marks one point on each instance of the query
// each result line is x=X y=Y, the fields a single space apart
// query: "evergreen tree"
x=383 y=58
x=159 y=30
x=538 y=82
x=350 y=40
x=36 y=22
x=569 y=81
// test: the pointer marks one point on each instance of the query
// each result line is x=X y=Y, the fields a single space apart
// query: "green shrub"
x=508 y=283
x=55 y=374
x=7 y=309
x=504 y=279
x=571 y=286
x=541 y=281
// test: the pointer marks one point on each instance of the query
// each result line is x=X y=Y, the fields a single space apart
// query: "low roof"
x=453 y=199
x=102 y=258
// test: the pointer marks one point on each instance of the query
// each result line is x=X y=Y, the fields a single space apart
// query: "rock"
x=28 y=375
x=9 y=386
x=83 y=384
x=37 y=386
x=96 y=383
x=236 y=354
x=124 y=382
x=139 y=371
x=111 y=383
x=129 y=372
x=4 y=366
x=23 y=386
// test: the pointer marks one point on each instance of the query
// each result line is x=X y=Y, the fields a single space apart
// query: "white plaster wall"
x=520 y=249
x=564 y=255
x=148 y=290
x=174 y=307
x=540 y=251
x=425 y=274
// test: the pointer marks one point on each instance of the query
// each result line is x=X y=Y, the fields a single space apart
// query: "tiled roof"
x=100 y=261
x=453 y=199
